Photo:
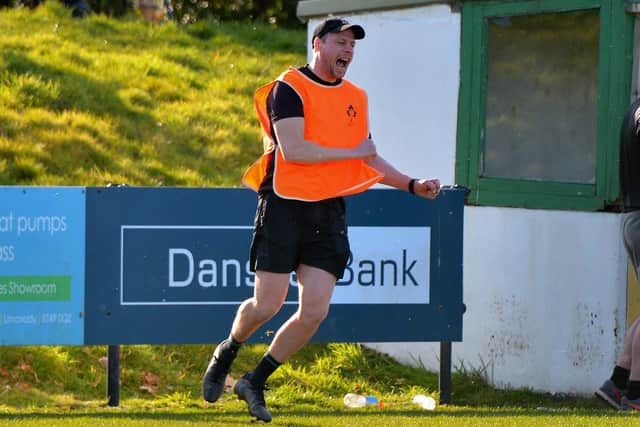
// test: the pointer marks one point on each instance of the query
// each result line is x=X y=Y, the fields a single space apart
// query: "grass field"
x=400 y=417
x=101 y=100
x=65 y=386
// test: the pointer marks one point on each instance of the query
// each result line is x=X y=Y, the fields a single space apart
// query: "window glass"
x=542 y=97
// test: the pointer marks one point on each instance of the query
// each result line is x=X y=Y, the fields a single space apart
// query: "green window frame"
x=614 y=82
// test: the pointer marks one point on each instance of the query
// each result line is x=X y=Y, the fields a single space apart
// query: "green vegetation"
x=119 y=100
x=98 y=100
x=41 y=386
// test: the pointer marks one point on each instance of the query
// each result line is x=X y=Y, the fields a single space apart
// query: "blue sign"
x=42 y=265
x=191 y=265
x=174 y=263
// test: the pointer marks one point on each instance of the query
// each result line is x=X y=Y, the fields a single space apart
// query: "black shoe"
x=254 y=396
x=216 y=374
x=610 y=394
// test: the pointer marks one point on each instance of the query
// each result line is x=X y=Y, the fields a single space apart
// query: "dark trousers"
x=79 y=7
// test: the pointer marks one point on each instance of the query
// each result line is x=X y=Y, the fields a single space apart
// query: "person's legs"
x=315 y=290
x=310 y=238
x=625 y=358
x=631 y=355
x=79 y=8
x=273 y=255
x=269 y=294
x=613 y=390
x=625 y=378
x=635 y=351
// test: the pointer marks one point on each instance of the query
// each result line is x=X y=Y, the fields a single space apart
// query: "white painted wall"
x=545 y=294
x=545 y=290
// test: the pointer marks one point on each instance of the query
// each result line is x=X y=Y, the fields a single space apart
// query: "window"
x=544 y=86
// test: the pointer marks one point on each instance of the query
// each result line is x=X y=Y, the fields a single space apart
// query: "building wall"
x=545 y=290
x=545 y=293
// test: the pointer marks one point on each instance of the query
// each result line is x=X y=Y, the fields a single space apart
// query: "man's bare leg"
x=625 y=358
x=268 y=296
x=315 y=288
x=632 y=394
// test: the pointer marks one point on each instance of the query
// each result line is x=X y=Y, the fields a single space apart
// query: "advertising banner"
x=175 y=263
x=42 y=265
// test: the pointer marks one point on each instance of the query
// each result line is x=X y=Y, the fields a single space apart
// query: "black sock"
x=265 y=368
x=633 y=390
x=227 y=352
x=620 y=377
x=233 y=343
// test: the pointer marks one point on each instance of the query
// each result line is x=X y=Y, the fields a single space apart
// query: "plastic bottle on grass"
x=352 y=400
x=425 y=402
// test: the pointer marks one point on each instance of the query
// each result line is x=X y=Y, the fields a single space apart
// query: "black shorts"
x=288 y=233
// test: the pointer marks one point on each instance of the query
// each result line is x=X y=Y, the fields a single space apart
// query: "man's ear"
x=316 y=43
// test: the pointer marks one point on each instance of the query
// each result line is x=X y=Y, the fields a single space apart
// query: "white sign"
x=390 y=265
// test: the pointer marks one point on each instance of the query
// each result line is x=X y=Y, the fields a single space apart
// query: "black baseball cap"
x=337 y=25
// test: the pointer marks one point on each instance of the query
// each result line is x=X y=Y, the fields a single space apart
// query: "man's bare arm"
x=427 y=188
x=294 y=148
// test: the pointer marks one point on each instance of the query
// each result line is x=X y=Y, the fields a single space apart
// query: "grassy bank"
x=98 y=100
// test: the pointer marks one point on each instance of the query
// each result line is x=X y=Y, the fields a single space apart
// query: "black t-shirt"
x=283 y=102
x=630 y=159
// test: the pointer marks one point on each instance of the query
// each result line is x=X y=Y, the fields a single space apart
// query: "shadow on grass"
x=364 y=417
x=76 y=92
x=261 y=38
x=117 y=413
x=453 y=412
